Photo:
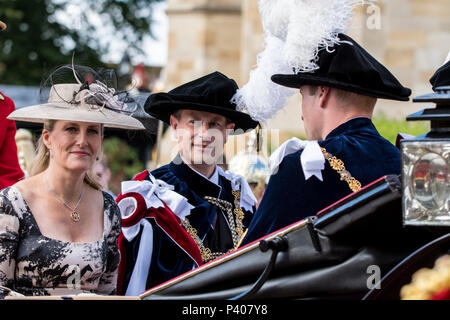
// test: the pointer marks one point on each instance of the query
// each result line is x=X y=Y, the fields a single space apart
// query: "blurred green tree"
x=390 y=128
x=43 y=34
x=123 y=161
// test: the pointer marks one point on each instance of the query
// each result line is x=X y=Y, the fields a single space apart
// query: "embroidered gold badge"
x=338 y=165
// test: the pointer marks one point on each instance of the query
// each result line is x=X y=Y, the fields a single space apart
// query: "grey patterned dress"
x=33 y=264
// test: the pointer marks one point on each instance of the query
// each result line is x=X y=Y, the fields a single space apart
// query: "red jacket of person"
x=10 y=171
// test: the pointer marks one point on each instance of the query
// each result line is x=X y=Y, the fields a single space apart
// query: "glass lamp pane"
x=426 y=181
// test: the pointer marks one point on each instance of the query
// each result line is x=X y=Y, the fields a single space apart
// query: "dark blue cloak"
x=366 y=155
x=168 y=259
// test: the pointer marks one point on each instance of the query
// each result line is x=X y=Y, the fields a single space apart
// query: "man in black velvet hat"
x=441 y=78
x=344 y=151
x=221 y=204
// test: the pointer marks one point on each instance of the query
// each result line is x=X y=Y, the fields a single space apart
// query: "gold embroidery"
x=239 y=213
x=354 y=184
x=237 y=229
x=338 y=165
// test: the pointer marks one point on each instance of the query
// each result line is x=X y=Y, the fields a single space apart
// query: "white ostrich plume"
x=448 y=58
x=295 y=31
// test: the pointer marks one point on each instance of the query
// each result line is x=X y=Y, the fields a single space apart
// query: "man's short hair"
x=177 y=114
x=348 y=97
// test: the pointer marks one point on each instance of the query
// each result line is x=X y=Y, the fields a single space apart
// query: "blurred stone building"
x=410 y=37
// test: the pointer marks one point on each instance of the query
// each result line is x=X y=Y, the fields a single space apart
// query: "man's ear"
x=173 y=122
x=324 y=95
x=230 y=125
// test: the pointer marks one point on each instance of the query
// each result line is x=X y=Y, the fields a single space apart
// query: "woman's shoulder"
x=8 y=194
x=5 y=191
x=108 y=199
x=12 y=192
x=29 y=188
x=10 y=216
x=12 y=202
x=110 y=207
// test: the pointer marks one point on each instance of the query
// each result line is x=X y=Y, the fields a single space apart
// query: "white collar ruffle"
x=312 y=158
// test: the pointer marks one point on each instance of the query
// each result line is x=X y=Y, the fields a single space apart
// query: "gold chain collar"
x=338 y=165
x=237 y=228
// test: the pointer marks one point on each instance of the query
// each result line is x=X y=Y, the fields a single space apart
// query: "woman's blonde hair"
x=42 y=158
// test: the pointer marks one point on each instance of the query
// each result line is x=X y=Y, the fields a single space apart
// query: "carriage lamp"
x=426 y=165
x=426 y=181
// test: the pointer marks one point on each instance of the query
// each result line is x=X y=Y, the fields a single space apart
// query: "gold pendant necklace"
x=74 y=215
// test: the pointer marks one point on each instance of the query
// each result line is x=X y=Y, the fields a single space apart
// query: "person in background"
x=10 y=171
x=103 y=173
x=25 y=149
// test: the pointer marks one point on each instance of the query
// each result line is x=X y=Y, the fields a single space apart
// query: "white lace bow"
x=312 y=159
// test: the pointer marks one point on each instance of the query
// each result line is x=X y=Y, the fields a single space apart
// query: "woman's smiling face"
x=74 y=145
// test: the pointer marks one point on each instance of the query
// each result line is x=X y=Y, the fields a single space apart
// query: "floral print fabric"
x=33 y=264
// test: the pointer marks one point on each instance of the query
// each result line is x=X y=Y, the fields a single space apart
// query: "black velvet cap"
x=348 y=66
x=441 y=77
x=211 y=93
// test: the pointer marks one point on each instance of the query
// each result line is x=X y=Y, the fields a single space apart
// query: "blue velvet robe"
x=210 y=223
x=366 y=155
x=168 y=259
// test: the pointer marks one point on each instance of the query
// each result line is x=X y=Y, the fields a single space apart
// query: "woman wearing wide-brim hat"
x=58 y=229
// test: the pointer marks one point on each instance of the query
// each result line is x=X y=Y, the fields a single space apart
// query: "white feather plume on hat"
x=448 y=58
x=295 y=31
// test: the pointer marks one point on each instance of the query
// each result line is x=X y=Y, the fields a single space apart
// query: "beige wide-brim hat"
x=60 y=108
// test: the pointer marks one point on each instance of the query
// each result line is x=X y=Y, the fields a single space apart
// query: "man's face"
x=311 y=112
x=201 y=135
